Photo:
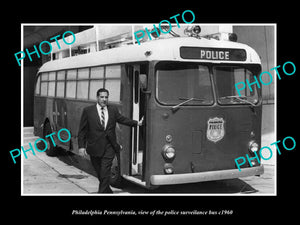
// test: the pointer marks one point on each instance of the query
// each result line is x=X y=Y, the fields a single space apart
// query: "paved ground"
x=61 y=175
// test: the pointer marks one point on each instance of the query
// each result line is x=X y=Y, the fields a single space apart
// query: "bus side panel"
x=39 y=112
x=74 y=110
x=42 y=111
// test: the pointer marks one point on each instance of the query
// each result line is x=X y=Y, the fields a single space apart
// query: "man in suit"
x=97 y=136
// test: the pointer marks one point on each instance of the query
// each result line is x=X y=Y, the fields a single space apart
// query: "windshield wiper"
x=176 y=107
x=242 y=98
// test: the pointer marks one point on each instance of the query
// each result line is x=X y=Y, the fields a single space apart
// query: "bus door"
x=55 y=115
x=138 y=134
x=60 y=116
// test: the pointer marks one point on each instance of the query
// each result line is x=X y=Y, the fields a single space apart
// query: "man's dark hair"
x=102 y=90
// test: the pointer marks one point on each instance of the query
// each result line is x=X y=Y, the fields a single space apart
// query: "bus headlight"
x=168 y=152
x=253 y=146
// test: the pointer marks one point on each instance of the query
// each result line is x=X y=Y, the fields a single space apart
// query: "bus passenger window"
x=113 y=71
x=71 y=84
x=114 y=88
x=37 y=86
x=51 y=85
x=96 y=81
x=60 y=90
x=113 y=82
x=94 y=86
x=97 y=72
x=82 y=83
x=44 y=84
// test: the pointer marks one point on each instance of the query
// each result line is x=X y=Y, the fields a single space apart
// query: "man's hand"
x=140 y=123
x=82 y=152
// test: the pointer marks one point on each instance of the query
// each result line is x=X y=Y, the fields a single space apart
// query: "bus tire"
x=51 y=150
x=116 y=180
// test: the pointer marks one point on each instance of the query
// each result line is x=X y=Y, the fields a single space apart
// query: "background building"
x=261 y=38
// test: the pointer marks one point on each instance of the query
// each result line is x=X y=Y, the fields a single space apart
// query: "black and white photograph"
x=171 y=113
x=148 y=109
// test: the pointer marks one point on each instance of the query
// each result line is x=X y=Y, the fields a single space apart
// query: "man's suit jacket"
x=92 y=135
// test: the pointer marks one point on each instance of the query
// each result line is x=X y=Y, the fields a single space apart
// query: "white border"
x=22 y=109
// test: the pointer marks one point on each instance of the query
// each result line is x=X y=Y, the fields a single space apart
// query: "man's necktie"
x=102 y=117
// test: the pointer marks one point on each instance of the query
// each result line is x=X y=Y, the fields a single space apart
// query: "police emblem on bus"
x=215 y=129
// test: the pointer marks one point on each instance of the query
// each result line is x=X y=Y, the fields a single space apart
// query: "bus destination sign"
x=225 y=54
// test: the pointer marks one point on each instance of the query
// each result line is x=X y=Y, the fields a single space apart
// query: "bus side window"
x=51 y=84
x=44 y=84
x=96 y=81
x=60 y=89
x=38 y=86
x=71 y=84
x=113 y=82
x=82 y=83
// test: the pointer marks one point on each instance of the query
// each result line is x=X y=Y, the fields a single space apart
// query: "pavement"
x=62 y=175
x=49 y=175
x=44 y=175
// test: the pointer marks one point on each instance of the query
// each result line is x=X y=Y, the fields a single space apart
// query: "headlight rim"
x=166 y=154
x=252 y=145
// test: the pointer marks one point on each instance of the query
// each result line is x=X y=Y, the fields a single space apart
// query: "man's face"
x=103 y=99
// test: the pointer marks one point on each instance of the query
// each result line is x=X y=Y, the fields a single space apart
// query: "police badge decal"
x=215 y=129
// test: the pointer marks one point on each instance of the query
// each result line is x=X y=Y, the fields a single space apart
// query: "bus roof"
x=160 y=49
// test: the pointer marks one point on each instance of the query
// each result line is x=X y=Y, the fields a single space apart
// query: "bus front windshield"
x=179 y=82
x=189 y=83
x=225 y=78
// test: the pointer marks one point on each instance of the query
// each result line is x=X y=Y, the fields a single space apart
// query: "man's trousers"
x=102 y=165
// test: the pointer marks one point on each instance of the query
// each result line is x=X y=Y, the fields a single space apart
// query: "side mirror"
x=144 y=84
x=143 y=81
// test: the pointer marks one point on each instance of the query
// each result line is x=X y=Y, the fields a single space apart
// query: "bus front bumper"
x=205 y=176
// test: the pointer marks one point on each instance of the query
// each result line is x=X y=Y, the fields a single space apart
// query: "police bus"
x=196 y=123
